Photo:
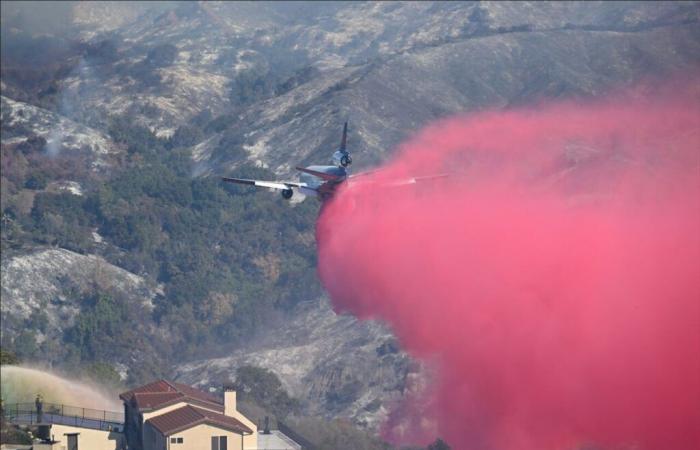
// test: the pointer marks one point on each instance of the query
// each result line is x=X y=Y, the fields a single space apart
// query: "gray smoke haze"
x=36 y=17
x=57 y=18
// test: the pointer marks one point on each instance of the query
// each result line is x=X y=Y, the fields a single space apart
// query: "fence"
x=52 y=413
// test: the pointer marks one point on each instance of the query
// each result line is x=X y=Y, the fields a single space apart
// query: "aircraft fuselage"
x=316 y=186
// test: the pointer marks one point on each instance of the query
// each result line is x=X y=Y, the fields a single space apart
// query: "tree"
x=25 y=344
x=216 y=308
x=263 y=387
x=162 y=55
x=103 y=52
x=101 y=328
x=8 y=358
x=337 y=434
x=24 y=202
x=103 y=374
x=36 y=181
x=186 y=136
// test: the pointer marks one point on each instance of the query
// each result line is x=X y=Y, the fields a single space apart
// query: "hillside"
x=23 y=121
x=117 y=120
x=338 y=366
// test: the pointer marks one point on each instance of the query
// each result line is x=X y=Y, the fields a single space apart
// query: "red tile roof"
x=151 y=400
x=195 y=393
x=189 y=416
x=156 y=386
x=163 y=393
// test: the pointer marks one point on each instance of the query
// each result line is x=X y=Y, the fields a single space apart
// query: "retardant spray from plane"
x=554 y=284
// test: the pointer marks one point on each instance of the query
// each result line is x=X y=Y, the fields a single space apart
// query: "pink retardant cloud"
x=552 y=279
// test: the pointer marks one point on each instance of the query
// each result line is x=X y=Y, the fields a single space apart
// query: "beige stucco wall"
x=250 y=441
x=88 y=439
x=231 y=410
x=199 y=438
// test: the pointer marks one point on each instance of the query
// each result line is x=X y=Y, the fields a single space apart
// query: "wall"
x=132 y=427
x=251 y=441
x=199 y=438
x=89 y=439
x=153 y=439
x=231 y=410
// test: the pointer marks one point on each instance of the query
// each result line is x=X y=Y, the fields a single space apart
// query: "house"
x=165 y=415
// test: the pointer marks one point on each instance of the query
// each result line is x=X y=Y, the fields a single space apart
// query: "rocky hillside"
x=31 y=284
x=22 y=121
x=338 y=366
x=117 y=117
x=47 y=291
x=286 y=76
x=386 y=100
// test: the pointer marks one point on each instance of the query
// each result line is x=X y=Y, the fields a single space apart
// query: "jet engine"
x=341 y=158
x=287 y=194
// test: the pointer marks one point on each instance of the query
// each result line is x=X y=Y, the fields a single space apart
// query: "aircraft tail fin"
x=341 y=157
x=344 y=139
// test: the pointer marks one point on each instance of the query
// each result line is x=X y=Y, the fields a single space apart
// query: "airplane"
x=320 y=181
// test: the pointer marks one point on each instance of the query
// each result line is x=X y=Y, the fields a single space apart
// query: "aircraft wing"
x=281 y=185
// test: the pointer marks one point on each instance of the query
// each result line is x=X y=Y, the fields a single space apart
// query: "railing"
x=52 y=413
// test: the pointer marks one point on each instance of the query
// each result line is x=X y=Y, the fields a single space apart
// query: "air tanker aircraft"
x=314 y=181
x=320 y=181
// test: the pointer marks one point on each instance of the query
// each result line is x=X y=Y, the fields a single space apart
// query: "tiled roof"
x=176 y=420
x=156 y=386
x=189 y=416
x=195 y=393
x=150 y=400
x=162 y=393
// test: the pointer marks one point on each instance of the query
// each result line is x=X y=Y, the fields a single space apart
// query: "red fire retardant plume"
x=552 y=278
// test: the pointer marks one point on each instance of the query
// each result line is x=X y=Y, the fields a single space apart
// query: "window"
x=176 y=440
x=72 y=441
x=219 y=443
